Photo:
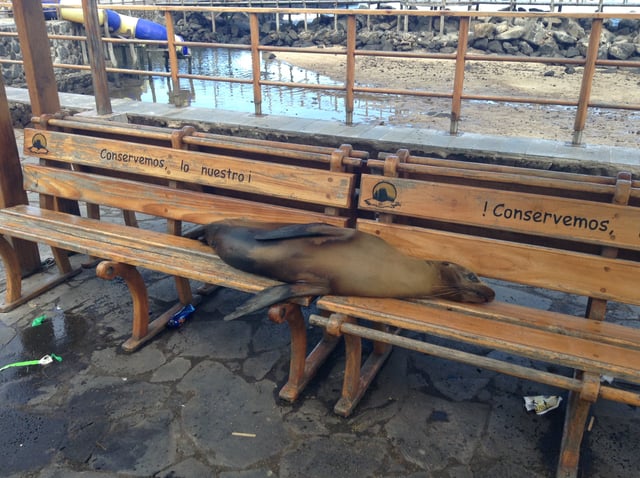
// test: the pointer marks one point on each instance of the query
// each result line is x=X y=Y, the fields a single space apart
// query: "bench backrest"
x=568 y=232
x=167 y=179
x=188 y=137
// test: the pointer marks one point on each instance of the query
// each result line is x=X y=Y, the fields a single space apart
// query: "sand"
x=612 y=127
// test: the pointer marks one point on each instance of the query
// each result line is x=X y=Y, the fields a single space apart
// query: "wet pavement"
x=202 y=400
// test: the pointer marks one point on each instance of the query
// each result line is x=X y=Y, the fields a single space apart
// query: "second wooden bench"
x=571 y=233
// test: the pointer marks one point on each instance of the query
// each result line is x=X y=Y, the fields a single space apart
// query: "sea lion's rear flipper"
x=275 y=294
x=294 y=231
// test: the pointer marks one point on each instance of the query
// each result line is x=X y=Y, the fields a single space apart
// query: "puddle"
x=59 y=331
x=276 y=100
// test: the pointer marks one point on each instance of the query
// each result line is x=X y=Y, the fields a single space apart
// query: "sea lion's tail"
x=276 y=294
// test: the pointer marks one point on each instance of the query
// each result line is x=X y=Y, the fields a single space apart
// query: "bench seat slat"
x=165 y=253
x=566 y=271
x=557 y=322
x=534 y=343
x=152 y=199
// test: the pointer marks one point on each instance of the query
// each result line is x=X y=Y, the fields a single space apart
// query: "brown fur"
x=318 y=259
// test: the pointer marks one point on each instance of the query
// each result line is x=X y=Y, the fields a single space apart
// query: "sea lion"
x=320 y=259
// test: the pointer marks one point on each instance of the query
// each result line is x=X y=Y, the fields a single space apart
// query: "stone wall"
x=549 y=36
x=62 y=51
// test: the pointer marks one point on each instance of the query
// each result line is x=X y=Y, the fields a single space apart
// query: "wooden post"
x=351 y=67
x=458 y=80
x=11 y=191
x=255 y=62
x=96 y=57
x=173 y=60
x=37 y=64
x=587 y=80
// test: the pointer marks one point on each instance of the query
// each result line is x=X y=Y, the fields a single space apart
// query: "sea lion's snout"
x=463 y=285
x=481 y=295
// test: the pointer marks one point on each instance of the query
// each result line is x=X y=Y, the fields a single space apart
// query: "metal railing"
x=350 y=88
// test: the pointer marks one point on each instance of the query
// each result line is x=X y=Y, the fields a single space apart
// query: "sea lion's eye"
x=472 y=277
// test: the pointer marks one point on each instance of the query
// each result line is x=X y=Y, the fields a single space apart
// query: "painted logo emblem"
x=38 y=144
x=384 y=195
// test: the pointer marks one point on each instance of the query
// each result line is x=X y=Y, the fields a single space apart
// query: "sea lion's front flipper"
x=275 y=294
x=294 y=231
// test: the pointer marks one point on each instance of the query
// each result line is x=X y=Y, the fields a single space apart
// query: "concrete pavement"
x=201 y=401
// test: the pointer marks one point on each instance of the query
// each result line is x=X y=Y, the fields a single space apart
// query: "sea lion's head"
x=462 y=285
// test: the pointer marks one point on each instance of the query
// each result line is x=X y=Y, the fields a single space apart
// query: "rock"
x=571 y=52
x=481 y=43
x=495 y=46
x=536 y=35
x=510 y=48
x=573 y=28
x=514 y=33
x=549 y=48
x=525 y=48
x=484 y=30
x=564 y=38
x=622 y=50
x=630 y=24
x=570 y=70
x=549 y=73
x=582 y=46
x=607 y=37
x=502 y=26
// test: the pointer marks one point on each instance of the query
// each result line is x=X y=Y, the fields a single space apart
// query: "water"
x=232 y=63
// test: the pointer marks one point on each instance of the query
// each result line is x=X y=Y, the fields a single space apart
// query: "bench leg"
x=578 y=406
x=142 y=330
x=302 y=368
x=14 y=294
x=357 y=377
x=12 y=268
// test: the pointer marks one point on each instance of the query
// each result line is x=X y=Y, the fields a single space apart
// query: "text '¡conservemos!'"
x=528 y=215
x=131 y=158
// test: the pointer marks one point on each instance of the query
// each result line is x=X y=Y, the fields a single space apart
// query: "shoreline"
x=509 y=79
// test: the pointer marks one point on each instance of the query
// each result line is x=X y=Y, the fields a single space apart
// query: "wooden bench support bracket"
x=578 y=407
x=14 y=294
x=302 y=368
x=143 y=330
x=357 y=376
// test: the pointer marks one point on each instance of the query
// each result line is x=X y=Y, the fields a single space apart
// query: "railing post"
x=36 y=55
x=458 y=80
x=96 y=57
x=173 y=60
x=11 y=190
x=351 y=66
x=587 y=80
x=255 y=61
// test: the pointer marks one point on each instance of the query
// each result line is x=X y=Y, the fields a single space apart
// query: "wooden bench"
x=156 y=172
x=571 y=233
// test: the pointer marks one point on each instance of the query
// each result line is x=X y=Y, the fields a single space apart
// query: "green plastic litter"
x=38 y=320
x=46 y=360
